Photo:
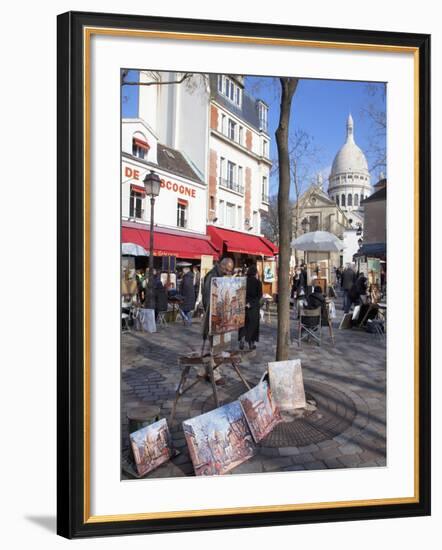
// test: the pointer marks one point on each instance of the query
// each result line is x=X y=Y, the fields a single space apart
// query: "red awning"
x=270 y=245
x=141 y=143
x=235 y=241
x=168 y=244
x=138 y=189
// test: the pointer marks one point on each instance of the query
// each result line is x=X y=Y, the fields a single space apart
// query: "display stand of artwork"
x=151 y=446
x=211 y=361
x=226 y=314
x=219 y=440
x=260 y=411
x=287 y=384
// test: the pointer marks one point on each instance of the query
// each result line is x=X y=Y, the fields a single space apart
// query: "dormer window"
x=140 y=146
x=230 y=89
x=263 y=111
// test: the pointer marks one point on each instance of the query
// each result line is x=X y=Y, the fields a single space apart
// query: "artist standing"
x=250 y=331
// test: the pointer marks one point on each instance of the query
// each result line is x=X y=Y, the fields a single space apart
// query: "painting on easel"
x=227 y=304
x=219 y=440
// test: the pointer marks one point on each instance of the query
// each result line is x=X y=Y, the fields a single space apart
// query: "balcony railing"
x=233 y=186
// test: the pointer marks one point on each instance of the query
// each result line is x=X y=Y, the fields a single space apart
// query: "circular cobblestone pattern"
x=334 y=413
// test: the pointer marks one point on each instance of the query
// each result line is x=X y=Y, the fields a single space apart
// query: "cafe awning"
x=235 y=241
x=170 y=244
x=374 y=250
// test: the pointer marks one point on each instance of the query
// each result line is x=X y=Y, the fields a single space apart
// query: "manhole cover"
x=335 y=413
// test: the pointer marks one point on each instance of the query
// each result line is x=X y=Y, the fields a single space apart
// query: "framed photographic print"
x=192 y=151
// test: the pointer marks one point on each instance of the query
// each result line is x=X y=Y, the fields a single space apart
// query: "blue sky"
x=320 y=108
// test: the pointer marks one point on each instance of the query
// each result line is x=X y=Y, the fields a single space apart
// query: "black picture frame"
x=73 y=520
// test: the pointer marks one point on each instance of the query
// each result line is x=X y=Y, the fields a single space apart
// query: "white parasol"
x=132 y=249
x=318 y=241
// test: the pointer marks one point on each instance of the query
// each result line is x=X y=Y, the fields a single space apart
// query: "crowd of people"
x=192 y=294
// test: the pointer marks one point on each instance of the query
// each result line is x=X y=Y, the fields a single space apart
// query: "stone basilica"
x=337 y=210
x=349 y=180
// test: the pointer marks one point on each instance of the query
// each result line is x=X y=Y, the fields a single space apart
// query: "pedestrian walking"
x=348 y=279
x=338 y=276
x=299 y=283
x=250 y=331
x=188 y=295
x=196 y=281
x=160 y=295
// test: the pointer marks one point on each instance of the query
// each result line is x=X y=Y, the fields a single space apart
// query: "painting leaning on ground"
x=253 y=274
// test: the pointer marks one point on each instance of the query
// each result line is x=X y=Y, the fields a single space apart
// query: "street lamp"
x=152 y=185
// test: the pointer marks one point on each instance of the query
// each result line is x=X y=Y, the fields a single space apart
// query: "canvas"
x=260 y=411
x=151 y=446
x=227 y=304
x=219 y=440
x=287 y=384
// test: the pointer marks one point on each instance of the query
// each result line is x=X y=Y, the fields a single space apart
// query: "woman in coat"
x=188 y=294
x=250 y=331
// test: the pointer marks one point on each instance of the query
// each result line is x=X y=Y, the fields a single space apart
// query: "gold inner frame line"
x=87 y=34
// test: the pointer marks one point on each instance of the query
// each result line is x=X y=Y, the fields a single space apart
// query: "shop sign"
x=175 y=187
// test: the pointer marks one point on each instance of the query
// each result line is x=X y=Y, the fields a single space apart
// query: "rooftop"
x=174 y=161
x=248 y=110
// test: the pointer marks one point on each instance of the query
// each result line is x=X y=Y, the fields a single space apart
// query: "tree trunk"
x=288 y=88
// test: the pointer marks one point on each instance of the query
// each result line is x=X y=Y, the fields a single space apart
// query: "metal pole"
x=150 y=290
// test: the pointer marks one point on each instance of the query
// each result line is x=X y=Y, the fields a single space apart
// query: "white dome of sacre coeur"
x=350 y=158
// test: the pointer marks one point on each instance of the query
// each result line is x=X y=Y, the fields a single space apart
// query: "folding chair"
x=309 y=325
x=161 y=319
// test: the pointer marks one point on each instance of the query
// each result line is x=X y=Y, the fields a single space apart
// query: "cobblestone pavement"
x=346 y=382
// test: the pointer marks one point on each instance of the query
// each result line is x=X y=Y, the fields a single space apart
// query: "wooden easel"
x=211 y=361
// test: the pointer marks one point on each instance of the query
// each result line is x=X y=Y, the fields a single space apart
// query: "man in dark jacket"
x=348 y=279
x=160 y=295
x=188 y=294
x=317 y=299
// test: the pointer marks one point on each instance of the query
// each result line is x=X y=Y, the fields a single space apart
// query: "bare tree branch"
x=378 y=122
x=163 y=83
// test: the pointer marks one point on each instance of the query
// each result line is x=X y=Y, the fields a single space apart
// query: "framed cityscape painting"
x=219 y=440
x=151 y=446
x=227 y=304
x=259 y=156
x=260 y=411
